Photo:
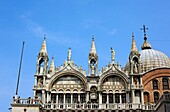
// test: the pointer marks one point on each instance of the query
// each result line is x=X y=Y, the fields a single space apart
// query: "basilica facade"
x=137 y=87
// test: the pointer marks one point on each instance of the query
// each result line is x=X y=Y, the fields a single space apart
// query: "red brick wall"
x=155 y=74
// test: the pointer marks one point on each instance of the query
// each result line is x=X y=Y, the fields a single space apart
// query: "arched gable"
x=65 y=73
x=113 y=74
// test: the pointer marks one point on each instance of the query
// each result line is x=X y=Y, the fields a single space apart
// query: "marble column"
x=56 y=98
x=34 y=93
x=120 y=96
x=141 y=81
x=35 y=81
x=79 y=97
x=107 y=99
x=87 y=96
x=113 y=97
x=132 y=80
x=43 y=96
x=133 y=96
x=142 y=97
x=100 y=99
x=48 y=96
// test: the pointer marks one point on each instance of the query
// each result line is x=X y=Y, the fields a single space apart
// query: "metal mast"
x=19 y=69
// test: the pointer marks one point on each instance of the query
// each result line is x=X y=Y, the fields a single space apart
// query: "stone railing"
x=138 y=86
x=28 y=101
x=85 y=106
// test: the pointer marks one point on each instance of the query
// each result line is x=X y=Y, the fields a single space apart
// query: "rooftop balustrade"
x=27 y=101
x=83 y=106
x=96 y=106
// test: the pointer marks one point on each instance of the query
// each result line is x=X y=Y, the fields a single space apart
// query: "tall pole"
x=20 y=68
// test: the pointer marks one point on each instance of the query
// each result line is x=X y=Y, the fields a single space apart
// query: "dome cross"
x=144 y=29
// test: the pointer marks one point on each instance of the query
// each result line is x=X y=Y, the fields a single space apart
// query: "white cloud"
x=112 y=32
x=53 y=37
x=97 y=24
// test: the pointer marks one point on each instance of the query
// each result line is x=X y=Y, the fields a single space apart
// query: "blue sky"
x=71 y=23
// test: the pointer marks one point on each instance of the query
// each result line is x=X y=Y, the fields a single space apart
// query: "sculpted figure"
x=69 y=54
x=135 y=67
x=112 y=55
x=40 y=82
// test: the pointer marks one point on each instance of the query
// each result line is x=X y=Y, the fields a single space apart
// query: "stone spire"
x=93 y=48
x=52 y=66
x=42 y=59
x=146 y=44
x=44 y=48
x=134 y=48
x=93 y=60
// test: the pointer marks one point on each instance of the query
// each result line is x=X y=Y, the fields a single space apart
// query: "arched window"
x=123 y=97
x=104 y=98
x=53 y=98
x=165 y=83
x=117 y=98
x=68 y=98
x=146 y=97
x=110 y=98
x=156 y=97
x=82 y=98
x=75 y=98
x=155 y=84
x=60 y=98
x=166 y=92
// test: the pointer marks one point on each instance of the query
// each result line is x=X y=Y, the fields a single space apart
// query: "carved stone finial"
x=69 y=54
x=112 y=55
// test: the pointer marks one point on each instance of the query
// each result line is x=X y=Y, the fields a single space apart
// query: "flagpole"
x=19 y=69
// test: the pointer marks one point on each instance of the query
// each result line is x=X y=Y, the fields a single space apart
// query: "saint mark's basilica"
x=143 y=85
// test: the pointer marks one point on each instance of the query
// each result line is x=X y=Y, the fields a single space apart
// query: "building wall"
x=157 y=74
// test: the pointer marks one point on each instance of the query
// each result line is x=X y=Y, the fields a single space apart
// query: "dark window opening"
x=155 y=84
x=165 y=83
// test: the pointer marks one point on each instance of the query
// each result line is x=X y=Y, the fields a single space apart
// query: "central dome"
x=150 y=59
